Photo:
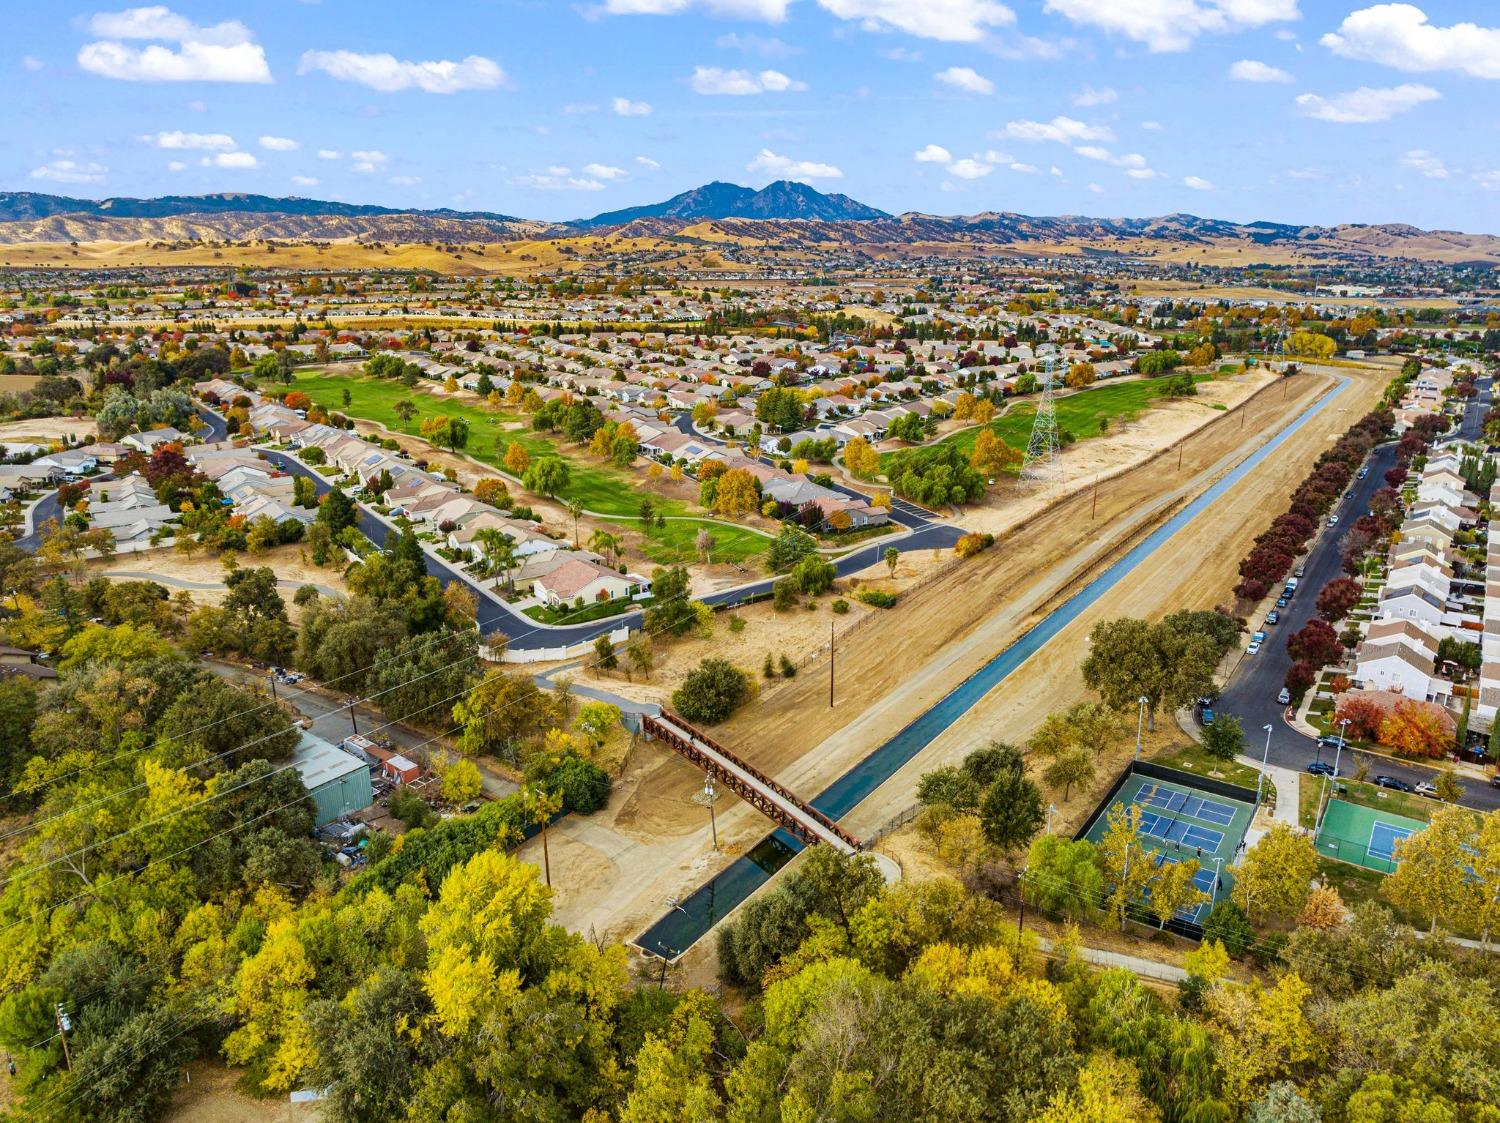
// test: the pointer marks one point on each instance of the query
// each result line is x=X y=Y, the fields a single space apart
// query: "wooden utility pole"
x=63 y=1025
x=830 y=664
x=1094 y=509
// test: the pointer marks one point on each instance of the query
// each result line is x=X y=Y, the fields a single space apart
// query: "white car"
x=1253 y=648
x=1285 y=697
x=1333 y=520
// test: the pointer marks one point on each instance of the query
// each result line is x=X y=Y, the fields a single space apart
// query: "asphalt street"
x=1256 y=679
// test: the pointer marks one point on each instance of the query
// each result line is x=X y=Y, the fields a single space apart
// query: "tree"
x=788 y=548
x=1130 y=659
x=493 y=491
x=711 y=692
x=672 y=1069
x=641 y=654
x=992 y=456
x=517 y=459
x=861 y=459
x=936 y=476
x=1126 y=864
x=547 y=476
x=1080 y=375
x=501 y=711
x=1283 y=1104
x=1012 y=810
x=595 y=720
x=1228 y=925
x=1416 y=728
x=1363 y=715
x=1075 y=766
x=1064 y=877
x=451 y=433
x=460 y=781
x=703 y=545
x=1108 y=1091
x=1324 y=909
x=605 y=659
x=337 y=511
x=892 y=559
x=1274 y=877
x=736 y=493
x=1338 y=599
x=1316 y=643
x=1225 y=738
x=1173 y=890
x=672 y=609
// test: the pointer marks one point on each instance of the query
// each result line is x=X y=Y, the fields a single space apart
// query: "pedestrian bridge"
x=749 y=783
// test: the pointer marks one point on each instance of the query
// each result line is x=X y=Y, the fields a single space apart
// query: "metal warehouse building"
x=338 y=782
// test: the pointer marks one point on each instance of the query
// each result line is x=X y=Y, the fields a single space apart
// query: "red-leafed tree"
x=1317 y=643
x=1300 y=678
x=1338 y=599
x=1251 y=589
x=1364 y=718
x=1395 y=477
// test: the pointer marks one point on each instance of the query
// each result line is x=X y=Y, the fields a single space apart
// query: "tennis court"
x=1180 y=822
x=1364 y=836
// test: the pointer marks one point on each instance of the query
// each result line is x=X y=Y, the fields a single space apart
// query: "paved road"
x=1255 y=681
x=524 y=633
x=217 y=429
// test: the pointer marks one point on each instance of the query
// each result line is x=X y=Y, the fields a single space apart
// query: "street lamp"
x=1343 y=730
x=709 y=795
x=1140 y=722
x=1051 y=811
x=1260 y=780
x=1218 y=876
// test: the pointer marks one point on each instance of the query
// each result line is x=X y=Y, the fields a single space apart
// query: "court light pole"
x=1140 y=721
x=1343 y=732
x=1260 y=781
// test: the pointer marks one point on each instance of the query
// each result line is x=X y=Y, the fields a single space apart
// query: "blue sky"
x=1289 y=110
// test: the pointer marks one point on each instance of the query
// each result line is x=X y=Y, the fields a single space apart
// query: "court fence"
x=1161 y=772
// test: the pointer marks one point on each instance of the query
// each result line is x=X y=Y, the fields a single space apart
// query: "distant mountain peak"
x=784 y=199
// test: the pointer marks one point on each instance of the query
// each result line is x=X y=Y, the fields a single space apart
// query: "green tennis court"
x=1364 y=836
x=1181 y=822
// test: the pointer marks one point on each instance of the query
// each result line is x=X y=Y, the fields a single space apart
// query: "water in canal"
x=692 y=918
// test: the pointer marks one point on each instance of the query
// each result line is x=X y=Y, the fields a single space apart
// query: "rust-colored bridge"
x=750 y=784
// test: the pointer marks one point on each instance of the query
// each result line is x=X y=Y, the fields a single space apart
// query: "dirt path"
x=658 y=846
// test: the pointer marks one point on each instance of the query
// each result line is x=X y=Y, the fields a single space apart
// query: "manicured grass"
x=1078 y=414
x=677 y=541
x=606 y=491
x=1193 y=758
x=567 y=614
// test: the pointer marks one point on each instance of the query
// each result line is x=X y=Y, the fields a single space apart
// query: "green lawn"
x=606 y=491
x=1193 y=758
x=1078 y=414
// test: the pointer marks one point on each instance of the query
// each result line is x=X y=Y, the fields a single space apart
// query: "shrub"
x=971 y=544
x=711 y=692
x=876 y=599
x=1230 y=926
x=583 y=785
x=736 y=624
x=788 y=668
x=839 y=606
x=784 y=593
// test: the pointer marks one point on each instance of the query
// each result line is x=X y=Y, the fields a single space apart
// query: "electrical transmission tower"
x=1043 y=460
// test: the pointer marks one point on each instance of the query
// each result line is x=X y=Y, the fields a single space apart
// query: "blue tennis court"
x=1175 y=830
x=1181 y=803
x=1204 y=880
x=1383 y=839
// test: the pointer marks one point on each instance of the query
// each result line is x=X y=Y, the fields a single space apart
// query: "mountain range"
x=784 y=215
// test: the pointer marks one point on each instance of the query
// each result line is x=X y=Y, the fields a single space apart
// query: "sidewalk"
x=1146 y=968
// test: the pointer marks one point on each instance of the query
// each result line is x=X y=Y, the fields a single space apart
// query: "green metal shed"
x=338 y=782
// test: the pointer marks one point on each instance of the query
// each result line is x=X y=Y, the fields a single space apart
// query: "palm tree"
x=575 y=509
x=602 y=542
x=499 y=553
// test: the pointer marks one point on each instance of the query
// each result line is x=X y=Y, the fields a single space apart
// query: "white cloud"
x=306 y=180
x=279 y=144
x=1197 y=183
x=1026 y=169
x=624 y=107
x=1134 y=163
x=932 y=154
x=70 y=171
x=1088 y=96
x=177 y=165
x=1489 y=180
x=756 y=44
x=1062 y=130
x=225 y=52
x=649 y=164
x=180 y=141
x=1251 y=70
x=32 y=65
x=772 y=11
x=1421 y=160
x=784 y=167
x=1172 y=25
x=557 y=178
x=970 y=169
x=1097 y=188
x=330 y=154
x=1305 y=173
x=740 y=83
x=369 y=161
x=389 y=74
x=952 y=21
x=1153 y=126
x=1365 y=105
x=965 y=78
x=1398 y=35
x=405 y=180
x=603 y=171
x=238 y=161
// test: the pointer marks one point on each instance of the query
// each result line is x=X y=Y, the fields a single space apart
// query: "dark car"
x=1495 y=781
x=1391 y=782
x=1329 y=742
x=1322 y=768
x=1282 y=602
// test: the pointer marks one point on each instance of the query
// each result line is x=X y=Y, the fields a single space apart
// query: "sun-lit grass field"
x=606 y=491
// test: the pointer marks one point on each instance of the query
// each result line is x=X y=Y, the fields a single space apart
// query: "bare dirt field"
x=203 y=576
x=41 y=429
x=211 y=1097
x=940 y=634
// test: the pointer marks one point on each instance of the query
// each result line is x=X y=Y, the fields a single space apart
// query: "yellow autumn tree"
x=274 y=1040
x=1108 y=1091
x=991 y=455
x=860 y=458
x=517 y=459
x=1260 y=1034
x=736 y=493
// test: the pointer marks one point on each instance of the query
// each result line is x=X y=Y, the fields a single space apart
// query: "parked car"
x=1362 y=473
x=1391 y=782
x=1285 y=697
x=1301 y=569
x=1283 y=601
x=1322 y=768
x=1253 y=648
x=1273 y=618
x=1427 y=788
x=1259 y=637
x=1333 y=520
x=1208 y=716
x=1329 y=742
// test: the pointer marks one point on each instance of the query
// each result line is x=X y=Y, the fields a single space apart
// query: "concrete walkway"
x=209 y=586
x=1145 y=968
